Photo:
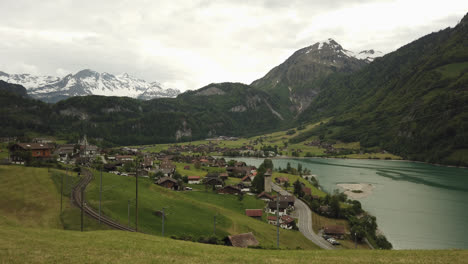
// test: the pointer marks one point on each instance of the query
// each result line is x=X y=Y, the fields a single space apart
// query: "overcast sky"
x=189 y=44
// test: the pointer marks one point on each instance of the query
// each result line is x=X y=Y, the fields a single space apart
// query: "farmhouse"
x=334 y=230
x=65 y=152
x=169 y=183
x=272 y=219
x=20 y=151
x=286 y=222
x=289 y=199
x=229 y=190
x=283 y=206
x=193 y=179
x=243 y=240
x=254 y=213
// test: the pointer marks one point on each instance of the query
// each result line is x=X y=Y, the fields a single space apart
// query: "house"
x=36 y=150
x=254 y=213
x=147 y=162
x=324 y=209
x=240 y=164
x=307 y=191
x=193 y=179
x=213 y=180
x=168 y=182
x=288 y=199
x=334 y=230
x=272 y=219
x=223 y=176
x=88 y=150
x=229 y=190
x=265 y=197
x=286 y=222
x=281 y=180
x=243 y=240
x=246 y=181
x=123 y=158
x=65 y=152
x=283 y=206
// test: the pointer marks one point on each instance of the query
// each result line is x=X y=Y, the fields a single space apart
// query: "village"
x=172 y=170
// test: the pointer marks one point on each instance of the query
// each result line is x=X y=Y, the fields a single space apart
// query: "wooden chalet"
x=289 y=199
x=283 y=207
x=272 y=219
x=168 y=182
x=229 y=190
x=281 y=180
x=36 y=150
x=286 y=222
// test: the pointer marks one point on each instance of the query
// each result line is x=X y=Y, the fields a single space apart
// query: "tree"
x=258 y=183
x=287 y=184
x=298 y=189
x=299 y=167
x=357 y=232
x=335 y=209
x=231 y=163
x=288 y=167
x=268 y=164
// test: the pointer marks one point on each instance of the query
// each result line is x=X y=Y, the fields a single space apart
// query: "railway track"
x=88 y=177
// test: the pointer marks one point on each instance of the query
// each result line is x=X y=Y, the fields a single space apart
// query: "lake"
x=417 y=205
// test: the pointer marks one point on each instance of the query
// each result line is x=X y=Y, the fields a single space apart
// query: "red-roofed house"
x=193 y=179
x=286 y=222
x=254 y=213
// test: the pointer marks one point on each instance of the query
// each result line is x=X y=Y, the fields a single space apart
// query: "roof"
x=33 y=146
x=264 y=194
x=282 y=179
x=231 y=187
x=271 y=218
x=307 y=190
x=246 y=178
x=254 y=212
x=224 y=174
x=287 y=219
x=334 y=229
x=193 y=178
x=287 y=198
x=282 y=205
x=243 y=240
x=164 y=179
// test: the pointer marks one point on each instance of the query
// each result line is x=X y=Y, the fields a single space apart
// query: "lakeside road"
x=305 y=220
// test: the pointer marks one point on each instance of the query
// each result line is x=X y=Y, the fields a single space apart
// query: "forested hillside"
x=412 y=102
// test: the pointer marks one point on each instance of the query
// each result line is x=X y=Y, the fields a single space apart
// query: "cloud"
x=190 y=44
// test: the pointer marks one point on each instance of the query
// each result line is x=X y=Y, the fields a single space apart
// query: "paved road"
x=305 y=220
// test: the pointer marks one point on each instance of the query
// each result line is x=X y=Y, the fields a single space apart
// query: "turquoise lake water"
x=418 y=206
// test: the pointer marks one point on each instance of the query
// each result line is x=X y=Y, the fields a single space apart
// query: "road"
x=305 y=220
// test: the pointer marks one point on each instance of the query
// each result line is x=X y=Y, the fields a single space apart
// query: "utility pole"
x=277 y=220
x=100 y=197
x=82 y=204
x=61 y=194
x=129 y=213
x=163 y=216
x=136 y=199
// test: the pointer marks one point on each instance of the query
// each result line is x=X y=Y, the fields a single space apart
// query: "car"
x=188 y=188
x=333 y=241
x=326 y=237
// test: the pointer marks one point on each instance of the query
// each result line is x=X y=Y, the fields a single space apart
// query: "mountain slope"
x=299 y=79
x=88 y=82
x=229 y=109
x=411 y=102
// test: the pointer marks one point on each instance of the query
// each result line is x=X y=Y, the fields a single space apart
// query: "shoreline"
x=396 y=160
x=364 y=190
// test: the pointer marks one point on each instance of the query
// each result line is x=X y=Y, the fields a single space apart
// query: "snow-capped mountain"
x=331 y=45
x=88 y=82
x=301 y=74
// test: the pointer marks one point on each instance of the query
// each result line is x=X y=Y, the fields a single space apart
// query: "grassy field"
x=293 y=178
x=23 y=245
x=3 y=151
x=188 y=213
x=30 y=197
